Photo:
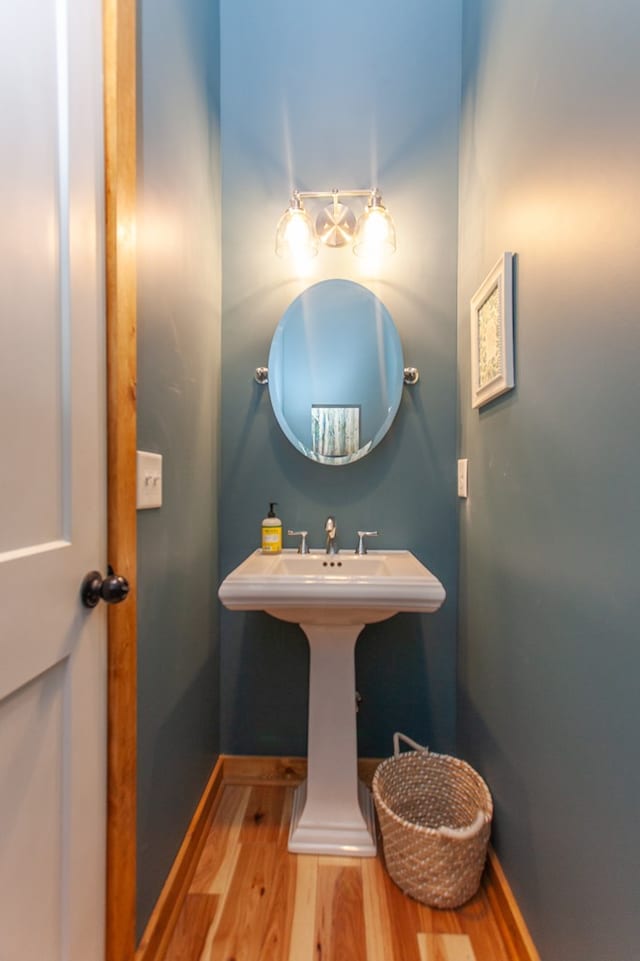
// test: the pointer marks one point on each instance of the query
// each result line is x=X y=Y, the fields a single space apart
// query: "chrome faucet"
x=331 y=532
x=303 y=547
x=361 y=548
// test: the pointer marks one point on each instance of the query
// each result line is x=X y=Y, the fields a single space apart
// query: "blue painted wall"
x=549 y=652
x=317 y=96
x=178 y=416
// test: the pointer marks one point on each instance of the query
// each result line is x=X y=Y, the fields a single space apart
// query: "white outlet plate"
x=463 y=484
x=148 y=480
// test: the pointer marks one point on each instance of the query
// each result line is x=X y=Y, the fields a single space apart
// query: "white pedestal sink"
x=332 y=597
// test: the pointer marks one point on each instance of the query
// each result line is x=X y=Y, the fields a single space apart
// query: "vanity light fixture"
x=372 y=234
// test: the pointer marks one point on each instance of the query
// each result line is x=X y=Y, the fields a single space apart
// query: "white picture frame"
x=492 y=371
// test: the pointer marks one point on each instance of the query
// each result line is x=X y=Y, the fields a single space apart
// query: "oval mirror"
x=335 y=372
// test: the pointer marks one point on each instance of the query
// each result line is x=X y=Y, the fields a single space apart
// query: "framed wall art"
x=492 y=334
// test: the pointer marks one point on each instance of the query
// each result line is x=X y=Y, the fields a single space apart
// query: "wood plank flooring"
x=250 y=900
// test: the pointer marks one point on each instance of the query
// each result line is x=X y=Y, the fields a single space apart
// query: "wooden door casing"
x=119 y=44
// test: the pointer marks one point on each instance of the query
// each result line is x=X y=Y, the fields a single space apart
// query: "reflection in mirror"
x=335 y=431
x=335 y=372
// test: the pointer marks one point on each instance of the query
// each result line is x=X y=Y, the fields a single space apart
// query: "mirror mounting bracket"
x=411 y=375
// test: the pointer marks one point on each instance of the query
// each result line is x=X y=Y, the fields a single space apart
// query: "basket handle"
x=397 y=737
x=462 y=834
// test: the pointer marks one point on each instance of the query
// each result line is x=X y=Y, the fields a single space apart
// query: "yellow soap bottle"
x=271 y=532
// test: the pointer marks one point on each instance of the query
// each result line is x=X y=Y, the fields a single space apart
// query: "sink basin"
x=332 y=597
x=319 y=588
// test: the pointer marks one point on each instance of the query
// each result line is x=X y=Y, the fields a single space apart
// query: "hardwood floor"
x=250 y=900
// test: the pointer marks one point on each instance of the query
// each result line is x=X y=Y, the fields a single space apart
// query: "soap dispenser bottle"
x=271 y=532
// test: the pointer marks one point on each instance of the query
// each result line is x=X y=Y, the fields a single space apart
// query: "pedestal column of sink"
x=332 y=811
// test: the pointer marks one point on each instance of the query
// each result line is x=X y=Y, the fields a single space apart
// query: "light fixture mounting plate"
x=335 y=225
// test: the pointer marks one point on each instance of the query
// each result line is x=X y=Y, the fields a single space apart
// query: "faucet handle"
x=361 y=549
x=303 y=547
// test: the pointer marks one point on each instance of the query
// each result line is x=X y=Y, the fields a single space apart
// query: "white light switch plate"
x=149 y=480
x=463 y=486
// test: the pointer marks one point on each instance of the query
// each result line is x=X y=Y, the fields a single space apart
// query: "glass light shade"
x=375 y=232
x=295 y=236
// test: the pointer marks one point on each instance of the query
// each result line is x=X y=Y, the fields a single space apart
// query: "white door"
x=52 y=482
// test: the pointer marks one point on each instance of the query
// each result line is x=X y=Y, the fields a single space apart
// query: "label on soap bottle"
x=271 y=540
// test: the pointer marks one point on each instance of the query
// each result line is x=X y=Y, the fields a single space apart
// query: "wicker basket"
x=435 y=814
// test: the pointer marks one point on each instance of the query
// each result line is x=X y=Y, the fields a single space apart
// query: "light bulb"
x=375 y=233
x=295 y=236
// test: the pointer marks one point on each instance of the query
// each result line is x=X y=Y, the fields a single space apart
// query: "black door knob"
x=112 y=589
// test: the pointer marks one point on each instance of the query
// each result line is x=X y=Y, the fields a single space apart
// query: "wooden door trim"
x=119 y=51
